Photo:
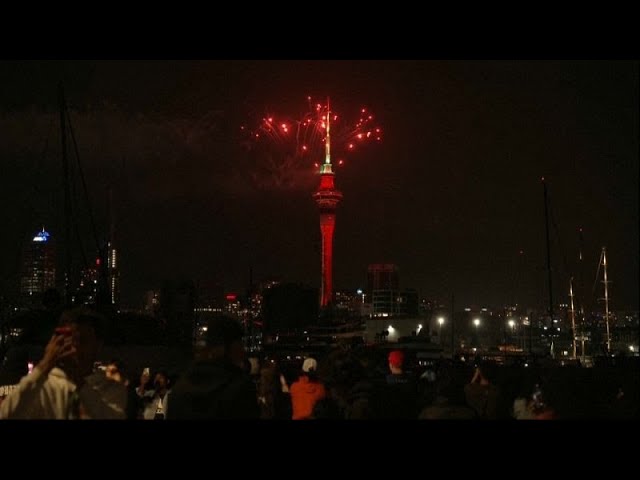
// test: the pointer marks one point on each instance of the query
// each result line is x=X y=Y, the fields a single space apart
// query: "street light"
x=440 y=323
x=512 y=324
x=476 y=322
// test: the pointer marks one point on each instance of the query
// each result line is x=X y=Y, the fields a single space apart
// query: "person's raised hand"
x=59 y=347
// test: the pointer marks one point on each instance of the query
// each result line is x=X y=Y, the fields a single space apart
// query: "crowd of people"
x=222 y=383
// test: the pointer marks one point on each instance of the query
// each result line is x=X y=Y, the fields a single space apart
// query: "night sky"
x=451 y=194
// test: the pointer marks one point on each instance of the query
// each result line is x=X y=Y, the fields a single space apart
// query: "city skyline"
x=451 y=196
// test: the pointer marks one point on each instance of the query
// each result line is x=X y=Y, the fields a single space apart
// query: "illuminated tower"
x=327 y=197
x=114 y=274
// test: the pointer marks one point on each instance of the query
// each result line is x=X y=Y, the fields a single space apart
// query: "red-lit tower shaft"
x=327 y=197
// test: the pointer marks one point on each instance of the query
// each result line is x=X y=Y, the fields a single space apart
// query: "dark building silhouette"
x=177 y=304
x=151 y=303
x=87 y=291
x=210 y=294
x=289 y=306
x=382 y=276
x=348 y=303
x=395 y=302
x=384 y=294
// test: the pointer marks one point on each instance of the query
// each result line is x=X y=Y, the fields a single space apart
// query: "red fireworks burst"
x=300 y=140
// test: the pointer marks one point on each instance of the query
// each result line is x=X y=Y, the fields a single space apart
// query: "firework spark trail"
x=299 y=142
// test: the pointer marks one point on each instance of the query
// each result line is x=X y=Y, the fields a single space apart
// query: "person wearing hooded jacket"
x=306 y=391
x=216 y=385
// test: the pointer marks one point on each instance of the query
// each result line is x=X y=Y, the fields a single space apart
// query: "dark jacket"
x=399 y=397
x=214 y=390
x=483 y=399
x=442 y=409
x=357 y=403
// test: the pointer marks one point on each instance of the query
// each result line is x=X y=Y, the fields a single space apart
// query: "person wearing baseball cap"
x=396 y=360
x=306 y=391
x=401 y=394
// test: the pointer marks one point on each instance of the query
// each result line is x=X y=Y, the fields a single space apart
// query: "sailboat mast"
x=581 y=292
x=573 y=318
x=546 y=218
x=67 y=198
x=606 y=298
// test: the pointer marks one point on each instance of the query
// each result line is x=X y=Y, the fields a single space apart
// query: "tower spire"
x=326 y=166
x=327 y=158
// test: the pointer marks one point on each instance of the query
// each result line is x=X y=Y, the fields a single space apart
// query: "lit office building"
x=38 y=268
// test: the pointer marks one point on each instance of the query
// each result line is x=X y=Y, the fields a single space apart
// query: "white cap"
x=309 y=364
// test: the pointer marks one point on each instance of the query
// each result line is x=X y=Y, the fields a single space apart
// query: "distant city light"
x=41 y=236
x=359 y=291
x=440 y=321
x=512 y=323
x=631 y=348
x=476 y=322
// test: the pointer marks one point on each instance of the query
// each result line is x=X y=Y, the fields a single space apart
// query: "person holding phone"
x=155 y=402
x=51 y=390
